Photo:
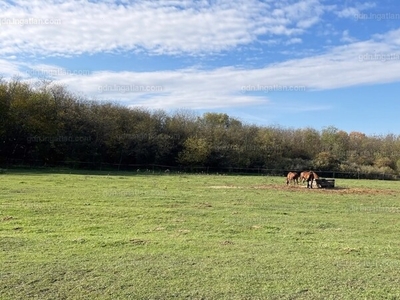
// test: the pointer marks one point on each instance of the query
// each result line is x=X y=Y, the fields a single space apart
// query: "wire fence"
x=160 y=169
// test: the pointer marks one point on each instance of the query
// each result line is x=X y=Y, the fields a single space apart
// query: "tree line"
x=44 y=124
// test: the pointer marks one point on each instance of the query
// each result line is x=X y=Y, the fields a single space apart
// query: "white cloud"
x=354 y=11
x=294 y=41
x=346 y=38
x=372 y=61
x=9 y=69
x=160 y=27
x=348 y=12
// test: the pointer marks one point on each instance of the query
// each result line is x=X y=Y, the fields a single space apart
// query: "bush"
x=372 y=172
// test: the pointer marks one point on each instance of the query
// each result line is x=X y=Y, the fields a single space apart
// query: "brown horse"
x=309 y=177
x=304 y=175
x=292 y=176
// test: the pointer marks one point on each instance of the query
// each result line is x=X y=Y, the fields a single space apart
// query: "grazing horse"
x=292 y=176
x=309 y=177
x=304 y=175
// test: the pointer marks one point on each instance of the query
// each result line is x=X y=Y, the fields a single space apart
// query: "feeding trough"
x=325 y=183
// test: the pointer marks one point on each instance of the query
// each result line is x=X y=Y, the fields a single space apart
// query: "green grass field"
x=129 y=236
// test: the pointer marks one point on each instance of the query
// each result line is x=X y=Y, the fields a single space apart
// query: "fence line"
x=157 y=168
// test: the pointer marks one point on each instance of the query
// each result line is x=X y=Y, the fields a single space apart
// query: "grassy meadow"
x=139 y=236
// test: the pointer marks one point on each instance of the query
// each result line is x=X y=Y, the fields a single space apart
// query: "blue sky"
x=293 y=63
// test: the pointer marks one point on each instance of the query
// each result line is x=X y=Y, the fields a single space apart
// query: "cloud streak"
x=361 y=63
x=156 y=27
x=193 y=28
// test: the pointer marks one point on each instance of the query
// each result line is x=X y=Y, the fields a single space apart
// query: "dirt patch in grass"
x=203 y=205
x=303 y=188
x=138 y=242
x=227 y=242
x=225 y=187
x=336 y=190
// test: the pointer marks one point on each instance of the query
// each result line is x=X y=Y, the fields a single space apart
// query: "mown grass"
x=123 y=236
